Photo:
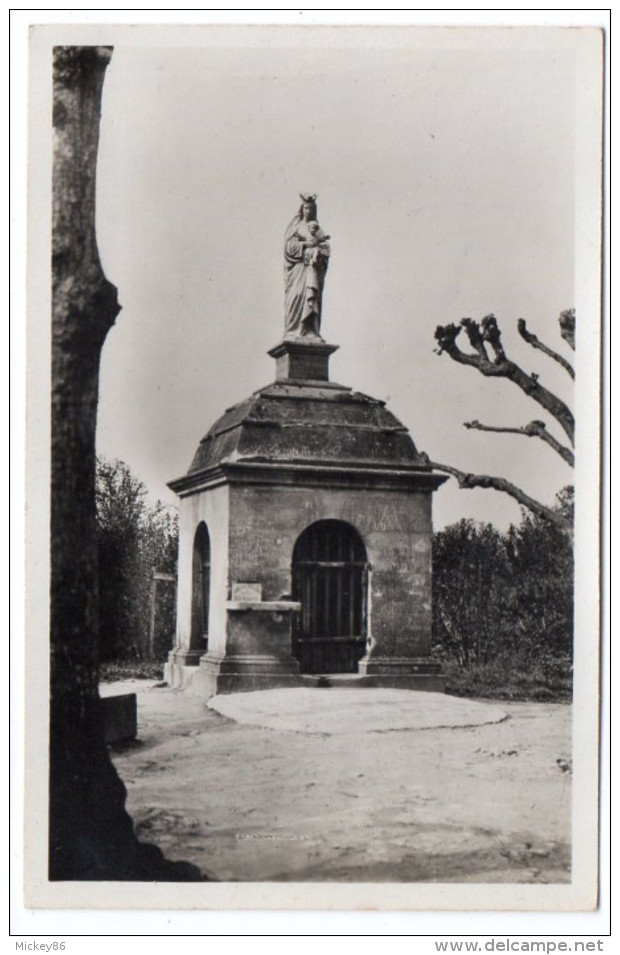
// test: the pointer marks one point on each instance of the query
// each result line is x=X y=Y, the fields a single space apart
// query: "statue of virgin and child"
x=306 y=257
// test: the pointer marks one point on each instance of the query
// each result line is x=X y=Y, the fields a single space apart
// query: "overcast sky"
x=445 y=177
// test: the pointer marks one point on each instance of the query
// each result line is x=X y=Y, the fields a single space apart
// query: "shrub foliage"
x=135 y=539
x=503 y=607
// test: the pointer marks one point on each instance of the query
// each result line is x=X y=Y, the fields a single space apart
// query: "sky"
x=445 y=174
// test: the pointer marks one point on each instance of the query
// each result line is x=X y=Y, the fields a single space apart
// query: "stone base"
x=239 y=674
x=186 y=658
x=416 y=673
x=374 y=664
x=217 y=674
x=178 y=676
x=180 y=660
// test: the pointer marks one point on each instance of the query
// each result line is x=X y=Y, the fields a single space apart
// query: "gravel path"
x=326 y=785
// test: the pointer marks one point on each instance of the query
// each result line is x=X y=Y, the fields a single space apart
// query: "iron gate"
x=330 y=579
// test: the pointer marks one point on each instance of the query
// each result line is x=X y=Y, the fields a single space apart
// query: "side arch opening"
x=201 y=586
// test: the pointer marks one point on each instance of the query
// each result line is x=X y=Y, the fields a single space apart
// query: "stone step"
x=333 y=679
x=432 y=682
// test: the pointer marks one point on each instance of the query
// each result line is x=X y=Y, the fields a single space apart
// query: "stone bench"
x=120 y=717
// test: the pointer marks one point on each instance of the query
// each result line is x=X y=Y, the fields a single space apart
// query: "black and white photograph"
x=313 y=444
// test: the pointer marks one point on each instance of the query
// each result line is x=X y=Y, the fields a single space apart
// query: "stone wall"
x=395 y=526
x=212 y=507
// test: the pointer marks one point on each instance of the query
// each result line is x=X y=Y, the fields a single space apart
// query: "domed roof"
x=289 y=423
x=307 y=423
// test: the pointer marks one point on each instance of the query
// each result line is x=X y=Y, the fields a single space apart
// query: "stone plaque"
x=252 y=593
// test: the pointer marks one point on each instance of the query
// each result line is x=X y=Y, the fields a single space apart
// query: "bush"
x=501 y=680
x=503 y=608
x=140 y=670
x=135 y=539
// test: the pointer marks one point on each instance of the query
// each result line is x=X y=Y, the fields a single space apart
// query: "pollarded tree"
x=487 y=356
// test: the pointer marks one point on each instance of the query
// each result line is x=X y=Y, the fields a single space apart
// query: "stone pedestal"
x=258 y=650
x=302 y=359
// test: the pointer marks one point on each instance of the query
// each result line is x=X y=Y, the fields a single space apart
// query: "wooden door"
x=330 y=579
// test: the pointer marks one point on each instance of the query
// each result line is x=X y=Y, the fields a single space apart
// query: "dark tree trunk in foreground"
x=91 y=835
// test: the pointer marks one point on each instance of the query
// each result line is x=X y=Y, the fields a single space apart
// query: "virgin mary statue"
x=306 y=256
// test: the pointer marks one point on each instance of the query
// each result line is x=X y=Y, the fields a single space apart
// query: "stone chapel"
x=304 y=525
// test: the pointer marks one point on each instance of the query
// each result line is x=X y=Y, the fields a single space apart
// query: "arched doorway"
x=330 y=579
x=201 y=584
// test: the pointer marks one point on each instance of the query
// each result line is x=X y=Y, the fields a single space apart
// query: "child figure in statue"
x=315 y=241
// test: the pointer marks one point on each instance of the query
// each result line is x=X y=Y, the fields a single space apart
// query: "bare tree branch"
x=532 y=340
x=501 y=366
x=535 y=429
x=492 y=335
x=567 y=326
x=501 y=484
x=476 y=339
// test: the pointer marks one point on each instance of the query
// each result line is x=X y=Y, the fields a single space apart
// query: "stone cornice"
x=309 y=475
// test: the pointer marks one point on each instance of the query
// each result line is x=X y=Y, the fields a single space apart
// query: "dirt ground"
x=486 y=803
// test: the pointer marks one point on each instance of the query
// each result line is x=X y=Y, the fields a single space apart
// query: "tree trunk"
x=91 y=835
